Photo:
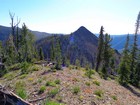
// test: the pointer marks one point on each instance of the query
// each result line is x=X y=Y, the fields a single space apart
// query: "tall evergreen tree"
x=135 y=72
x=1 y=52
x=27 y=48
x=58 y=54
x=106 y=55
x=41 y=54
x=100 y=48
x=30 y=46
x=23 y=43
x=124 y=64
x=10 y=51
x=134 y=52
x=52 y=50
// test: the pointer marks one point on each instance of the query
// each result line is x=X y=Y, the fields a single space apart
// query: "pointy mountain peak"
x=82 y=28
x=84 y=32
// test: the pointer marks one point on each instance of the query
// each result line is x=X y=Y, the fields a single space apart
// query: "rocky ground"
x=70 y=87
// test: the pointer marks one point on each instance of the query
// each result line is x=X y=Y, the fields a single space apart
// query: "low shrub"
x=57 y=81
x=76 y=90
x=114 y=97
x=39 y=80
x=96 y=82
x=89 y=73
x=50 y=83
x=59 y=98
x=34 y=68
x=53 y=92
x=52 y=103
x=21 y=93
x=87 y=83
x=42 y=89
x=24 y=67
x=23 y=76
x=20 y=84
x=99 y=93
x=9 y=76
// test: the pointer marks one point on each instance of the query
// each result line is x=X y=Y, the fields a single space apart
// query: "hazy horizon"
x=65 y=16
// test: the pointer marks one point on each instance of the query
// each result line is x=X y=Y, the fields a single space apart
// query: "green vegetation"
x=100 y=48
x=106 y=56
x=41 y=54
x=59 y=98
x=89 y=72
x=55 y=52
x=52 y=103
x=99 y=93
x=129 y=71
x=96 y=82
x=20 y=89
x=20 y=84
x=124 y=65
x=24 y=67
x=88 y=83
x=114 y=97
x=51 y=83
x=9 y=76
x=76 y=90
x=53 y=92
x=57 y=81
x=39 y=80
x=42 y=89
x=21 y=93
x=23 y=76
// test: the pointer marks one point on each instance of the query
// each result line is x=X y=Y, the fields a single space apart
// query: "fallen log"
x=9 y=98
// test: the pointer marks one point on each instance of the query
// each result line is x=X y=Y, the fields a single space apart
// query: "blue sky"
x=65 y=16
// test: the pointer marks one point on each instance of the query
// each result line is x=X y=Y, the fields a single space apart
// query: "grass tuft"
x=99 y=93
x=76 y=90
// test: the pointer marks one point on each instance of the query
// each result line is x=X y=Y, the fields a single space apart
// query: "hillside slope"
x=5 y=32
x=118 y=41
x=69 y=86
x=81 y=45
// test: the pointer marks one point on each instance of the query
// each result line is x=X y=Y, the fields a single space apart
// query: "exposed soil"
x=112 y=92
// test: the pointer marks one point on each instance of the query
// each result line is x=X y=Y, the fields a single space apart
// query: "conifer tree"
x=58 y=54
x=137 y=73
x=52 y=50
x=30 y=46
x=27 y=48
x=135 y=70
x=23 y=43
x=106 y=55
x=100 y=48
x=112 y=63
x=124 y=64
x=1 y=52
x=41 y=54
x=134 y=52
x=10 y=51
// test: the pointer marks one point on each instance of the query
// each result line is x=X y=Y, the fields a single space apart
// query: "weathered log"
x=9 y=98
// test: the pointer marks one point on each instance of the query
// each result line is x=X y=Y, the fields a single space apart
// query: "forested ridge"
x=81 y=50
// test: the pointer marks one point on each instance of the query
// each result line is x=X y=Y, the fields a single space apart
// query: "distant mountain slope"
x=119 y=41
x=81 y=45
x=5 y=32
